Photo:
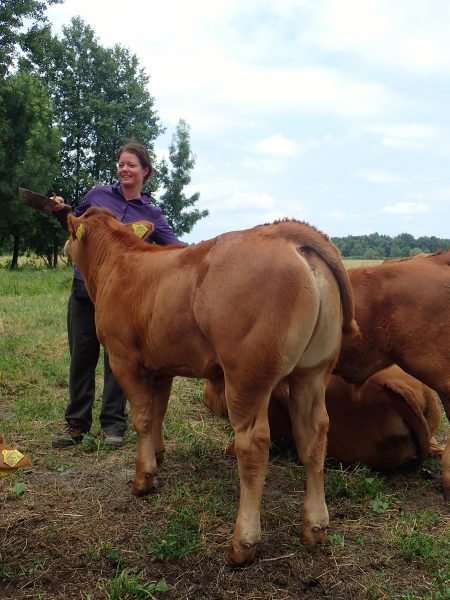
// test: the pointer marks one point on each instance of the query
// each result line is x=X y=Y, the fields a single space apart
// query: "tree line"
x=66 y=106
x=384 y=246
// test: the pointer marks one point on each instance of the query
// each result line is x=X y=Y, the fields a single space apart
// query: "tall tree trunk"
x=15 y=254
x=55 y=254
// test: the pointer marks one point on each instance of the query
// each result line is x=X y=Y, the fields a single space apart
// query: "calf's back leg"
x=161 y=391
x=248 y=416
x=148 y=397
x=310 y=427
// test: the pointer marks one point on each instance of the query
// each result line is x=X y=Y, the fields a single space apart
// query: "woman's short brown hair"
x=142 y=154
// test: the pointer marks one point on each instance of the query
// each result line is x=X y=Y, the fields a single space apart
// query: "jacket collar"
x=144 y=199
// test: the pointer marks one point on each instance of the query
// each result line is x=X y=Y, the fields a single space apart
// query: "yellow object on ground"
x=10 y=459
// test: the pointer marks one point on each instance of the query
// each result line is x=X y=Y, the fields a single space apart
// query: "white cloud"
x=406 y=208
x=274 y=153
x=213 y=97
x=278 y=146
x=265 y=165
x=248 y=200
x=337 y=215
x=411 y=36
x=441 y=194
x=424 y=53
x=379 y=176
x=403 y=136
x=409 y=131
x=398 y=143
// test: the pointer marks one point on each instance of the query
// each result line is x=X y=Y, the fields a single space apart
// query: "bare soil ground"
x=77 y=525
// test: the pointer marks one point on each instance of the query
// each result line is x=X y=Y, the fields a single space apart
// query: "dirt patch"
x=77 y=525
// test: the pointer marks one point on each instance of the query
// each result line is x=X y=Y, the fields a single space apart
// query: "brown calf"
x=403 y=311
x=254 y=307
x=386 y=423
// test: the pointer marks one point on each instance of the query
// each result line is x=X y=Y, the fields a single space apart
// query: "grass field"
x=351 y=263
x=70 y=529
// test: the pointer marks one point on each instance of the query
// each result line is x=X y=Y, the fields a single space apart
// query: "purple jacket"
x=127 y=211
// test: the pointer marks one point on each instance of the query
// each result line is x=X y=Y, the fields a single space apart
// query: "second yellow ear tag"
x=139 y=229
x=79 y=232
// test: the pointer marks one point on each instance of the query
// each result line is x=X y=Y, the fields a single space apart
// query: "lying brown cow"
x=255 y=307
x=403 y=311
x=385 y=423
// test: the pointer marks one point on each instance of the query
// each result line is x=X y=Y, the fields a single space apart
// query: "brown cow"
x=385 y=423
x=403 y=311
x=255 y=307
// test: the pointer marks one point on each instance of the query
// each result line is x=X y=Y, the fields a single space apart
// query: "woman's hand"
x=60 y=205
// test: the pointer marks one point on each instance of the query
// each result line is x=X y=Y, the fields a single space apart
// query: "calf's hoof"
x=240 y=554
x=143 y=487
x=160 y=457
x=315 y=534
x=231 y=451
x=446 y=492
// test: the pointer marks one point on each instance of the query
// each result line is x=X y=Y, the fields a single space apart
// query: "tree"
x=13 y=36
x=370 y=253
x=70 y=73
x=101 y=100
x=122 y=109
x=432 y=244
x=174 y=201
x=30 y=160
x=397 y=251
x=358 y=249
x=405 y=240
x=28 y=140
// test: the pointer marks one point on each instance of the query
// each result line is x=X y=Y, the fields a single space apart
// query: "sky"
x=333 y=112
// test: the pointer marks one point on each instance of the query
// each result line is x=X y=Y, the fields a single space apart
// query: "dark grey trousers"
x=84 y=352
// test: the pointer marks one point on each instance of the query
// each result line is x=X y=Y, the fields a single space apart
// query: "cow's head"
x=93 y=221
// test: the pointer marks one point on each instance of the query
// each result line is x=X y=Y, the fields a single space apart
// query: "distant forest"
x=383 y=246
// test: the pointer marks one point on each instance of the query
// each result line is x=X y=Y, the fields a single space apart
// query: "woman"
x=127 y=202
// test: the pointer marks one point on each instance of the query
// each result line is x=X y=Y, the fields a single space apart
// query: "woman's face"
x=130 y=171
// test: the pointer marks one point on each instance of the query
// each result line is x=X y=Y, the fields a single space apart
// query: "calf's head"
x=95 y=223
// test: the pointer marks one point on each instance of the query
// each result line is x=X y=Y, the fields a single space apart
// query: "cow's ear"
x=75 y=227
x=141 y=229
x=71 y=225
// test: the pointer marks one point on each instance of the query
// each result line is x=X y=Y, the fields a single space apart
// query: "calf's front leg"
x=143 y=415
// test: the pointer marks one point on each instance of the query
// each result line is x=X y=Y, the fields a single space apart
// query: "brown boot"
x=71 y=435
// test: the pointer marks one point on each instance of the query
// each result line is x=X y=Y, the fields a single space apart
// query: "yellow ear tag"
x=139 y=229
x=11 y=457
x=79 y=232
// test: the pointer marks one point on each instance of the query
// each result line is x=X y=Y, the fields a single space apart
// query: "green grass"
x=34 y=352
x=175 y=539
x=356 y=483
x=413 y=538
x=129 y=585
x=33 y=349
x=351 y=263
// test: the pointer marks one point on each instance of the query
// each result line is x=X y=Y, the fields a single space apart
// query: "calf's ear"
x=73 y=226
x=141 y=229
